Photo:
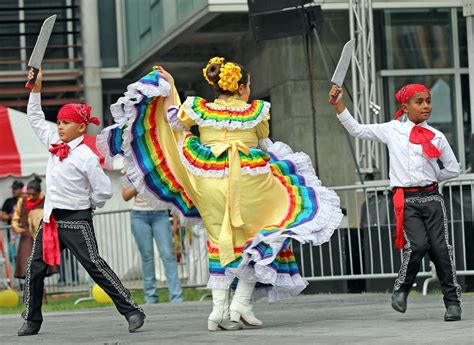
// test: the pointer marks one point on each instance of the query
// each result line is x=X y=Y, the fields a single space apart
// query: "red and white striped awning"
x=21 y=152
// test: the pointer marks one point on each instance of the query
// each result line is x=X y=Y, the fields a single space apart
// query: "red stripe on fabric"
x=10 y=161
x=90 y=141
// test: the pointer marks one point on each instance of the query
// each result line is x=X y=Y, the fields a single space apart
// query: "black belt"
x=72 y=215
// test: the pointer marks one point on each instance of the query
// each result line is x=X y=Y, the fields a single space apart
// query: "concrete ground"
x=311 y=319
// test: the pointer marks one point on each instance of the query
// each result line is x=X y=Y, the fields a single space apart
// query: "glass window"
x=10 y=58
x=157 y=22
x=443 y=115
x=184 y=8
x=418 y=39
x=56 y=55
x=462 y=30
x=108 y=33
x=466 y=118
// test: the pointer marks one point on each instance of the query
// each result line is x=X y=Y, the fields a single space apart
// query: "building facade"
x=98 y=47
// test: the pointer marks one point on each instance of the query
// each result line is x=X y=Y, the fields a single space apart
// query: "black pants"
x=75 y=232
x=426 y=231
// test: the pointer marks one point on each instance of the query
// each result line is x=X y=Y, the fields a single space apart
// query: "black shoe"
x=135 y=319
x=399 y=301
x=29 y=328
x=453 y=313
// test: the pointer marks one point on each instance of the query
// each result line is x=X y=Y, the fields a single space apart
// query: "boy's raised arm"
x=36 y=115
x=375 y=132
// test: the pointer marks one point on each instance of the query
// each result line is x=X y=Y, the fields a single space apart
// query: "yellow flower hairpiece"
x=215 y=60
x=229 y=77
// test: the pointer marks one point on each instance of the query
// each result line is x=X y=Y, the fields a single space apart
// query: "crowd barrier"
x=362 y=248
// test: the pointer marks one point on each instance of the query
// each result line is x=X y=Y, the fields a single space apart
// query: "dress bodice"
x=211 y=136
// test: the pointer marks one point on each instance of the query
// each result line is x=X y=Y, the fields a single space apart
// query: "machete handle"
x=332 y=99
x=30 y=84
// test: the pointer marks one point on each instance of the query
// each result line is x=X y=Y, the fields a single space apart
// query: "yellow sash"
x=232 y=216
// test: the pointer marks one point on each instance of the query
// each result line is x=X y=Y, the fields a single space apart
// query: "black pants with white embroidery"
x=78 y=236
x=426 y=231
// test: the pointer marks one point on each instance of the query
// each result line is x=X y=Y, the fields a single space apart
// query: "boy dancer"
x=75 y=183
x=421 y=222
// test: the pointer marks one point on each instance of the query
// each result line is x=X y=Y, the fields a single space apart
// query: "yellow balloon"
x=100 y=295
x=8 y=298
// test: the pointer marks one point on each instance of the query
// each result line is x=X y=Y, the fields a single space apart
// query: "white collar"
x=75 y=143
x=412 y=124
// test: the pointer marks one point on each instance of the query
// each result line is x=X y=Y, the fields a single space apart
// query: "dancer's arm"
x=377 y=132
x=171 y=109
x=263 y=131
x=450 y=163
x=170 y=99
x=36 y=115
x=101 y=188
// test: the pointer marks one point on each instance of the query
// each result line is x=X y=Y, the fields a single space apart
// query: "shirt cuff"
x=35 y=98
x=344 y=116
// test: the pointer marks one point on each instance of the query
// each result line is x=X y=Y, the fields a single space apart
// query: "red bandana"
x=31 y=205
x=405 y=93
x=77 y=112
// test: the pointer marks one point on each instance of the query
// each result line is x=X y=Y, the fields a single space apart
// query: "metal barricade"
x=118 y=248
x=6 y=255
x=362 y=248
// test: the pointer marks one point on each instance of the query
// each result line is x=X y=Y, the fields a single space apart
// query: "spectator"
x=149 y=224
x=25 y=223
x=8 y=209
x=9 y=205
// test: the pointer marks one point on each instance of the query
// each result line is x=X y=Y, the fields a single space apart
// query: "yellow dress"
x=252 y=201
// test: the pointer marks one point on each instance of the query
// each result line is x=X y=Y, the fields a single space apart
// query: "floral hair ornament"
x=215 y=60
x=229 y=77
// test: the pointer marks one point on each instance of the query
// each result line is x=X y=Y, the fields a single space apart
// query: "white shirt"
x=409 y=167
x=78 y=181
x=140 y=205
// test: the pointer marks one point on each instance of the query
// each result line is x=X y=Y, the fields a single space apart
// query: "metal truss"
x=364 y=81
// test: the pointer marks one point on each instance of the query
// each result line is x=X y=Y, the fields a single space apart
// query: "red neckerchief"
x=61 y=150
x=423 y=136
x=31 y=205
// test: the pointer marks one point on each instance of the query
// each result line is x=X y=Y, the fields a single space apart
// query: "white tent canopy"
x=24 y=147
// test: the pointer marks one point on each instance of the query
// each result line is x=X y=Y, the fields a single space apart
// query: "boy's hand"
x=338 y=92
x=38 y=82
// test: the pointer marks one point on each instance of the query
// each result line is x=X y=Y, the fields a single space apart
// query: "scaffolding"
x=364 y=82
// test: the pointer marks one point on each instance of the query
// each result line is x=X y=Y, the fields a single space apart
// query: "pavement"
x=308 y=319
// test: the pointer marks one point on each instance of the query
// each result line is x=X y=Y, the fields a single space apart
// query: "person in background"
x=8 y=209
x=150 y=224
x=9 y=205
x=25 y=222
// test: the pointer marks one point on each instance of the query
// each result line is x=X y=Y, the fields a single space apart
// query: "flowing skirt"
x=281 y=198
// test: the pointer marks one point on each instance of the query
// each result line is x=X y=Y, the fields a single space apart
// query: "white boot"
x=241 y=306
x=219 y=317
